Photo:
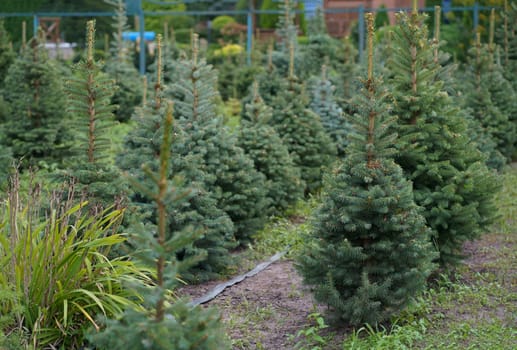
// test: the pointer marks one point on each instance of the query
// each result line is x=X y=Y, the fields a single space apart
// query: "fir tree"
x=270 y=156
x=163 y=322
x=323 y=103
x=450 y=180
x=236 y=185
x=142 y=146
x=120 y=67
x=37 y=128
x=89 y=102
x=6 y=51
x=301 y=131
x=507 y=36
x=370 y=251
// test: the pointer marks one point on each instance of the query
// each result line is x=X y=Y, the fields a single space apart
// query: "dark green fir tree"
x=233 y=180
x=507 y=38
x=490 y=96
x=142 y=146
x=301 y=131
x=164 y=322
x=120 y=66
x=89 y=103
x=324 y=103
x=370 y=252
x=6 y=51
x=36 y=129
x=449 y=176
x=270 y=156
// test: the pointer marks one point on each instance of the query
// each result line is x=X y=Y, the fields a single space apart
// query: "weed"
x=311 y=337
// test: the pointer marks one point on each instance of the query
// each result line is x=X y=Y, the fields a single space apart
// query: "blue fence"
x=135 y=8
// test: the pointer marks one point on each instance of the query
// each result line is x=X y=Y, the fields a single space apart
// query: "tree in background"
x=37 y=127
x=491 y=97
x=270 y=156
x=90 y=92
x=6 y=51
x=370 y=252
x=323 y=103
x=142 y=146
x=120 y=66
x=301 y=131
x=235 y=183
x=450 y=180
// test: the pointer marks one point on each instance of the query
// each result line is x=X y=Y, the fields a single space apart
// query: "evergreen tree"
x=301 y=131
x=6 y=51
x=163 y=322
x=491 y=98
x=507 y=36
x=37 y=128
x=89 y=102
x=120 y=67
x=234 y=182
x=450 y=180
x=270 y=156
x=142 y=146
x=370 y=251
x=323 y=103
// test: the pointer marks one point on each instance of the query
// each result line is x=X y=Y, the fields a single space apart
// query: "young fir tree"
x=323 y=103
x=485 y=94
x=270 y=156
x=142 y=146
x=89 y=103
x=507 y=37
x=448 y=73
x=164 y=322
x=120 y=66
x=37 y=128
x=450 y=180
x=235 y=183
x=301 y=131
x=6 y=51
x=370 y=252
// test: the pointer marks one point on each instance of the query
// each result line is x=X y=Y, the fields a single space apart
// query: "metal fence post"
x=361 y=32
x=249 y=32
x=35 y=24
x=476 y=16
x=141 y=27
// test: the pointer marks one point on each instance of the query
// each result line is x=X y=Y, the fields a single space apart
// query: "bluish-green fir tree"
x=301 y=131
x=271 y=157
x=36 y=129
x=89 y=104
x=324 y=103
x=142 y=146
x=449 y=176
x=369 y=253
x=120 y=66
x=163 y=322
x=237 y=186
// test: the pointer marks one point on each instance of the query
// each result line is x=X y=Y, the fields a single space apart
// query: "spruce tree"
x=37 y=128
x=164 y=322
x=120 y=67
x=270 y=156
x=6 y=51
x=369 y=252
x=490 y=97
x=450 y=180
x=301 y=131
x=142 y=146
x=323 y=103
x=235 y=183
x=89 y=103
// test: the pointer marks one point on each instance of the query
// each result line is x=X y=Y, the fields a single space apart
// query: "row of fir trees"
x=406 y=162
